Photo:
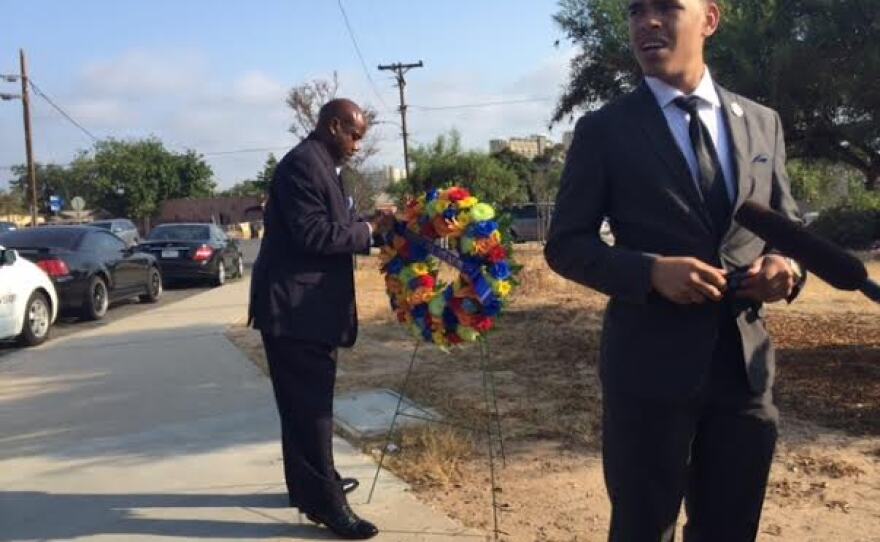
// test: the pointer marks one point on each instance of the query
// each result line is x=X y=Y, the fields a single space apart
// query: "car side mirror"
x=7 y=257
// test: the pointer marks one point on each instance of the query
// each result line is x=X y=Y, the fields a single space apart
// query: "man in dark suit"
x=685 y=359
x=303 y=302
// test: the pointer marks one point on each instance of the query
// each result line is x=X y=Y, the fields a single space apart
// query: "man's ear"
x=333 y=126
x=713 y=18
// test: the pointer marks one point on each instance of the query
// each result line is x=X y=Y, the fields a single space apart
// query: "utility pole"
x=399 y=72
x=26 y=107
x=25 y=100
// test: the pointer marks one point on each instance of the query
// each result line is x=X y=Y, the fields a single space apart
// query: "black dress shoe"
x=345 y=523
x=349 y=484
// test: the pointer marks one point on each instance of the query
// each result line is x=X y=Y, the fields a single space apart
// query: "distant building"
x=530 y=147
x=221 y=211
x=383 y=177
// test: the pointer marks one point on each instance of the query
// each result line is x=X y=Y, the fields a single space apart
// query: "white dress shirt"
x=712 y=115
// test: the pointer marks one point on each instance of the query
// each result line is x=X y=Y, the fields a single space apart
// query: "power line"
x=481 y=104
x=58 y=108
x=360 y=55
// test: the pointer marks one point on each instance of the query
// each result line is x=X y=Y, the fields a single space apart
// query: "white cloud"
x=177 y=96
x=257 y=88
x=139 y=73
x=103 y=113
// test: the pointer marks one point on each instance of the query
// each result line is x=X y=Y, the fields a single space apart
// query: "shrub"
x=855 y=225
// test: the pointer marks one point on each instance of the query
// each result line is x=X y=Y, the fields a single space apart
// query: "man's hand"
x=382 y=222
x=687 y=280
x=768 y=279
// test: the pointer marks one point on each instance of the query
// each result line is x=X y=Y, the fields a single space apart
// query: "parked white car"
x=28 y=301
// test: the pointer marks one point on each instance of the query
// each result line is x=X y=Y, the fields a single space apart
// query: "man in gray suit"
x=685 y=359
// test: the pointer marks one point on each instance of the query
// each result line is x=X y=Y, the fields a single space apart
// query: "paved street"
x=68 y=325
x=154 y=425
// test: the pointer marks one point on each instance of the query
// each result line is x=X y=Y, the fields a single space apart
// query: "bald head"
x=345 y=110
x=341 y=126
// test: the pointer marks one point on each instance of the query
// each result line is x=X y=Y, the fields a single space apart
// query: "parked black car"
x=120 y=227
x=194 y=251
x=90 y=267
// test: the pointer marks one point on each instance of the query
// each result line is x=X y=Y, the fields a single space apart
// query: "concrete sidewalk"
x=156 y=426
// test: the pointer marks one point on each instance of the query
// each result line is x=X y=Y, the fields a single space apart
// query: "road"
x=68 y=325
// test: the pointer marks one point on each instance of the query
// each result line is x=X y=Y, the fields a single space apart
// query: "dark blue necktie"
x=711 y=176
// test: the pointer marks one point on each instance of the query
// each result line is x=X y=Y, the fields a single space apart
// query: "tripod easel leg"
x=390 y=433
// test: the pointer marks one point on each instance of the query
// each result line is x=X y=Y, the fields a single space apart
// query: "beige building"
x=383 y=177
x=530 y=147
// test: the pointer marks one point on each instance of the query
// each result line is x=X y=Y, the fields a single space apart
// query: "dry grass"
x=433 y=456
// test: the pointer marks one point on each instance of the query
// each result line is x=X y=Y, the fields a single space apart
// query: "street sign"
x=77 y=204
x=55 y=203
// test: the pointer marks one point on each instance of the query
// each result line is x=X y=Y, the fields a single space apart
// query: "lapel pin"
x=737 y=109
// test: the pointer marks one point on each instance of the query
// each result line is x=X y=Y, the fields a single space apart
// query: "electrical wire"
x=58 y=108
x=360 y=55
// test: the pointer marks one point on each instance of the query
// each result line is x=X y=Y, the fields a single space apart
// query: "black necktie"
x=711 y=176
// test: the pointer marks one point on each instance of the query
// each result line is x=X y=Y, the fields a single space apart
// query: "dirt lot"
x=825 y=482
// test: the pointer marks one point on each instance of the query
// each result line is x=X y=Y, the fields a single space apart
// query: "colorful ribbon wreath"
x=466 y=309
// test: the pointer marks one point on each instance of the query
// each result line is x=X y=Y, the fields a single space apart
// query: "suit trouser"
x=713 y=449
x=303 y=377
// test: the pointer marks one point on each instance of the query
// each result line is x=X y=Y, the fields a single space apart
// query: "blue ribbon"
x=481 y=287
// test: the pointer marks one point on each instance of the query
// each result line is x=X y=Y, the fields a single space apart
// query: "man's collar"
x=328 y=158
x=666 y=93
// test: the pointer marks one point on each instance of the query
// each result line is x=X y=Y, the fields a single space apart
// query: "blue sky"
x=212 y=76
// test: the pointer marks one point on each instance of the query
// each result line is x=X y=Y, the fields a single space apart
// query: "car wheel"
x=154 y=287
x=239 y=267
x=37 y=320
x=97 y=300
x=220 y=277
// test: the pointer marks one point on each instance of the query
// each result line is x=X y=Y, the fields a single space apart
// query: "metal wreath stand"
x=492 y=428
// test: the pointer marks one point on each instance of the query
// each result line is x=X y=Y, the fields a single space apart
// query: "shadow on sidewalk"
x=54 y=516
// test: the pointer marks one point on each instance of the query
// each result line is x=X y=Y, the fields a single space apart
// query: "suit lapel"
x=737 y=125
x=648 y=115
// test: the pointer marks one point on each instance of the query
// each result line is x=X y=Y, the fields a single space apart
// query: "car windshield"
x=180 y=233
x=104 y=225
x=41 y=237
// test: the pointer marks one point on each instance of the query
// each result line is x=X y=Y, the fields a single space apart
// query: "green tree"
x=52 y=179
x=817 y=62
x=526 y=170
x=11 y=203
x=132 y=178
x=821 y=184
x=444 y=163
x=548 y=174
x=258 y=186
x=540 y=176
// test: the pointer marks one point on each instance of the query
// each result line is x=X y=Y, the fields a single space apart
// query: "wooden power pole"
x=26 y=107
x=399 y=72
